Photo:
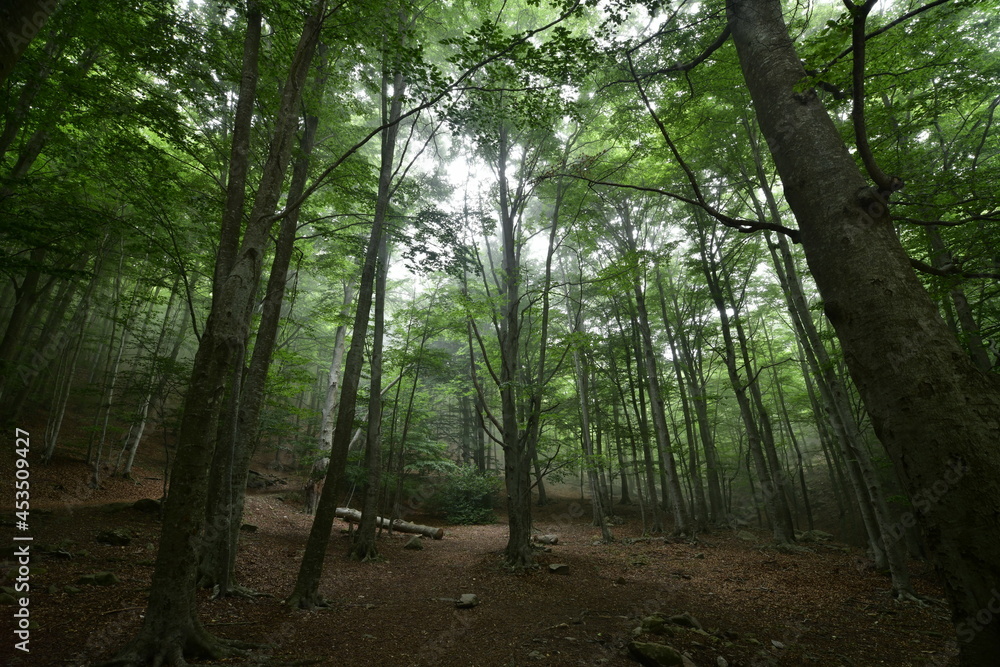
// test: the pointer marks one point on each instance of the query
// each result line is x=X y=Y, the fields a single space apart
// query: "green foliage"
x=466 y=496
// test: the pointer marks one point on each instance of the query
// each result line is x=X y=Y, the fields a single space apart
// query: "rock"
x=256 y=480
x=686 y=620
x=545 y=539
x=98 y=579
x=536 y=655
x=248 y=528
x=72 y=590
x=117 y=537
x=6 y=598
x=111 y=508
x=558 y=568
x=414 y=543
x=52 y=589
x=656 y=624
x=467 y=601
x=651 y=654
x=746 y=536
x=721 y=662
x=147 y=506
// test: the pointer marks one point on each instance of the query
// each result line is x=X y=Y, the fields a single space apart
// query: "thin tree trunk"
x=306 y=592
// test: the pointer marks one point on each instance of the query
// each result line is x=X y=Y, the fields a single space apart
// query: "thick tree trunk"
x=937 y=415
x=517 y=459
x=171 y=629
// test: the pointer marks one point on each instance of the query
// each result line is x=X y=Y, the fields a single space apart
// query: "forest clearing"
x=707 y=290
x=825 y=605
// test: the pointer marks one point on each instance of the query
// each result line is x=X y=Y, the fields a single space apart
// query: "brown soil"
x=758 y=606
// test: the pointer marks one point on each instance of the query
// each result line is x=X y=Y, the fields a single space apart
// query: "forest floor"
x=758 y=606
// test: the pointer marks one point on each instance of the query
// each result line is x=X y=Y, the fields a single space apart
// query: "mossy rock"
x=117 y=537
x=99 y=579
x=652 y=654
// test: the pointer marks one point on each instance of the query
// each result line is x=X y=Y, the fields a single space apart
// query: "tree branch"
x=744 y=226
x=950 y=270
x=886 y=185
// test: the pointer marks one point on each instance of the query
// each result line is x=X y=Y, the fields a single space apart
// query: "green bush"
x=465 y=496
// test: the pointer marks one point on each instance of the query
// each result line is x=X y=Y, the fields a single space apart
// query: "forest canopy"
x=717 y=258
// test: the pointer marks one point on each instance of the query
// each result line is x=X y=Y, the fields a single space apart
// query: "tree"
x=171 y=629
x=936 y=413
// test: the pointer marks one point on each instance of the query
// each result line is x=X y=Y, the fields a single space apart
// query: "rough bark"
x=937 y=415
x=306 y=592
x=171 y=628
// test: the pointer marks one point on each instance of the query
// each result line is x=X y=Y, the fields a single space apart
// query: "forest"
x=585 y=282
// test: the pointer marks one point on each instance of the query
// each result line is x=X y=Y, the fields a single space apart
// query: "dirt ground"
x=757 y=606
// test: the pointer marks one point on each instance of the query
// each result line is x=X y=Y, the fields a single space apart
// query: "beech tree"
x=936 y=413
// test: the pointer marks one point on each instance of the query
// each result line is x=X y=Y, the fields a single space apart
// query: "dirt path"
x=757 y=606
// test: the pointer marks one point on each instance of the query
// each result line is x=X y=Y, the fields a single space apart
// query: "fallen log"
x=398 y=525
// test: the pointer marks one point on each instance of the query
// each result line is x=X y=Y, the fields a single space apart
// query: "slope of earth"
x=757 y=606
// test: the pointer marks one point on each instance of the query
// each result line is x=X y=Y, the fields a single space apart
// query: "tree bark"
x=937 y=415
x=397 y=525
x=171 y=628
x=306 y=592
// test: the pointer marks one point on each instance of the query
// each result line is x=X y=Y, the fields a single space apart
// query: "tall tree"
x=936 y=413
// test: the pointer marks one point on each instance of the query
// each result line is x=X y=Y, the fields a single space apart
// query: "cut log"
x=398 y=525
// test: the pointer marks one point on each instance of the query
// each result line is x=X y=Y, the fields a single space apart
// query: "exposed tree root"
x=307 y=602
x=171 y=650
x=239 y=591
x=903 y=596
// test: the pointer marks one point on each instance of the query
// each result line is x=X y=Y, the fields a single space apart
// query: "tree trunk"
x=364 y=548
x=315 y=482
x=171 y=629
x=782 y=532
x=397 y=525
x=937 y=415
x=306 y=592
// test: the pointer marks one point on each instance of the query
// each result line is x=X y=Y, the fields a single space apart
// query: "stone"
x=467 y=601
x=414 y=543
x=721 y=662
x=652 y=654
x=6 y=598
x=117 y=537
x=147 y=506
x=656 y=624
x=72 y=590
x=545 y=539
x=558 y=568
x=746 y=536
x=686 y=620
x=248 y=528
x=99 y=579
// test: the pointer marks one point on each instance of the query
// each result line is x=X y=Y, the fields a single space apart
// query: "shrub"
x=465 y=496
